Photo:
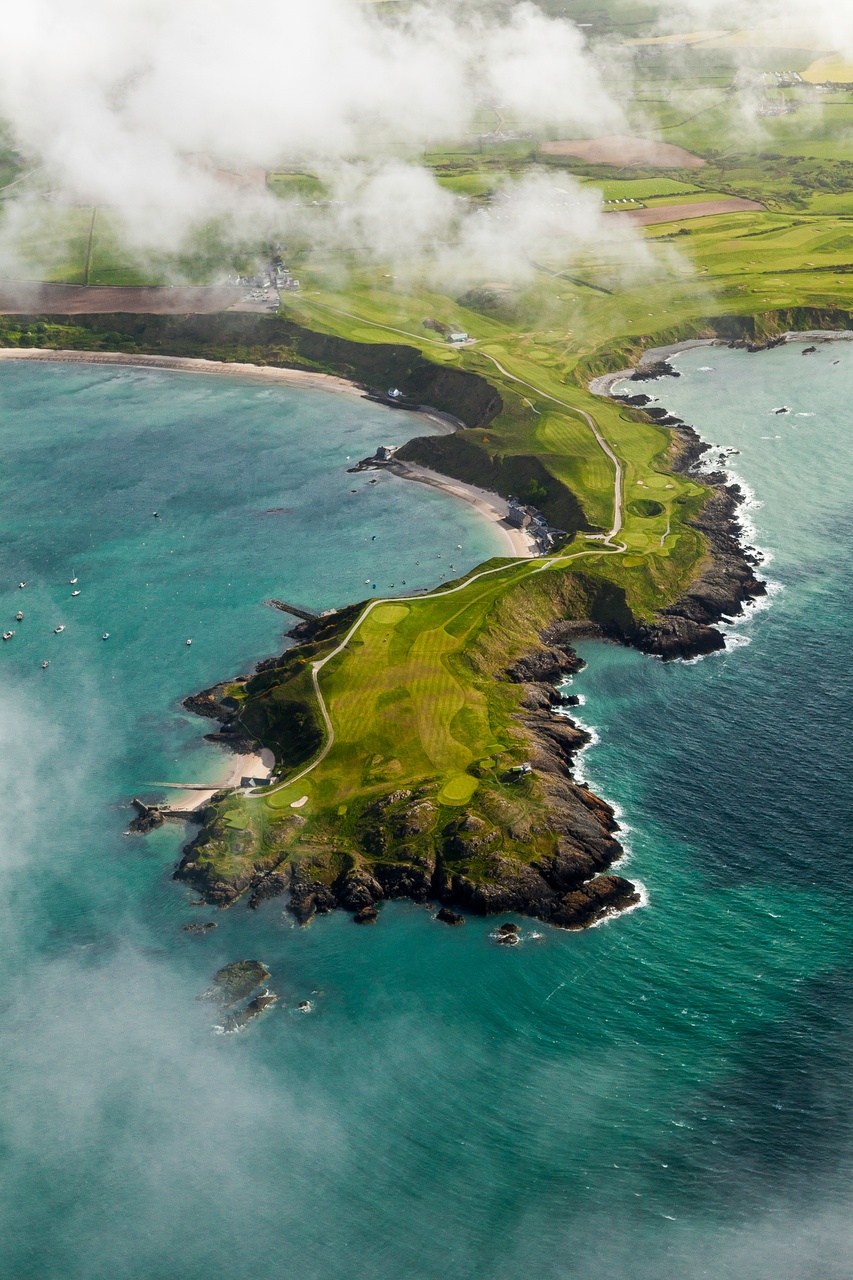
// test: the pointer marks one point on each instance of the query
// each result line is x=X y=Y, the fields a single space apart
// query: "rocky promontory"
x=534 y=840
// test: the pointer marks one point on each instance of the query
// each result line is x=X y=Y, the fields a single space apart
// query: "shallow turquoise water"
x=666 y=1096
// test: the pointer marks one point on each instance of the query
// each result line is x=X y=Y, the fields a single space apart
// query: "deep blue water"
x=667 y=1096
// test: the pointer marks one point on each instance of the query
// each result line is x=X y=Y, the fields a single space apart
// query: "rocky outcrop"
x=367 y=915
x=148 y=817
x=235 y=982
x=654 y=370
x=309 y=897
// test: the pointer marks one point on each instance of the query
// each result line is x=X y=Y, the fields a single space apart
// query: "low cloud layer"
x=142 y=108
x=825 y=23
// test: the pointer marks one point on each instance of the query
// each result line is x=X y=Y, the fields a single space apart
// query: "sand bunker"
x=31 y=297
x=630 y=152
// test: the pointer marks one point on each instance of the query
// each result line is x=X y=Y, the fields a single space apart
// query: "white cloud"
x=120 y=101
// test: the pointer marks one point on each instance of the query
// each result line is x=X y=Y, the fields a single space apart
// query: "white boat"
x=74 y=593
x=56 y=630
x=22 y=584
x=44 y=666
x=72 y=581
x=19 y=617
x=189 y=642
x=7 y=635
x=105 y=636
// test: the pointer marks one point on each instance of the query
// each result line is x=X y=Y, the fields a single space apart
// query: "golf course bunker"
x=628 y=151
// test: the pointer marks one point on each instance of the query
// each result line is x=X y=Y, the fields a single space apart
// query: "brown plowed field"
x=31 y=297
x=679 y=212
x=625 y=151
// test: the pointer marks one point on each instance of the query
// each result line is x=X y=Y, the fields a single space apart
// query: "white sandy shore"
x=495 y=508
x=186 y=364
x=255 y=765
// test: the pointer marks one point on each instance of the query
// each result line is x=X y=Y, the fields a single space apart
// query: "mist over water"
x=667 y=1096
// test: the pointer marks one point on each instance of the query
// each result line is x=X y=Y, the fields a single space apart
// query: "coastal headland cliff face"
x=512 y=828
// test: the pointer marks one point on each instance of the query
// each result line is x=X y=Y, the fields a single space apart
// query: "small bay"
x=664 y=1096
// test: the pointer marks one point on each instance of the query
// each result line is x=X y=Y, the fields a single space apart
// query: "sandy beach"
x=188 y=364
x=520 y=543
x=256 y=765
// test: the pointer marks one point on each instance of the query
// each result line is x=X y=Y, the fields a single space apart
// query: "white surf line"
x=607 y=539
x=317 y=667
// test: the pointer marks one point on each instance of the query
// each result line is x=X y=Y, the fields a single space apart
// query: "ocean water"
x=665 y=1096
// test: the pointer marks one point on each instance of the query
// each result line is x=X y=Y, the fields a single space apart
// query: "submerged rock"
x=367 y=915
x=237 y=1021
x=235 y=982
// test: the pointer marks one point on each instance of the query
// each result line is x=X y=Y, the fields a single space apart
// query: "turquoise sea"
x=667 y=1096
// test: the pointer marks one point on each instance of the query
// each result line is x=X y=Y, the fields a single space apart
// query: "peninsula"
x=423 y=746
